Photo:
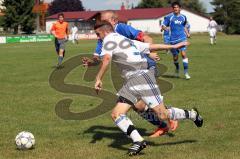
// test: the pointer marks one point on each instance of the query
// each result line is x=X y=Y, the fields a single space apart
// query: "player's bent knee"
x=164 y=116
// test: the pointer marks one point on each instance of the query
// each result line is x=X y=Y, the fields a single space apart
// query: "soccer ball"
x=24 y=140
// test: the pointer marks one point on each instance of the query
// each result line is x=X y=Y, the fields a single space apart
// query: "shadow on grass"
x=119 y=140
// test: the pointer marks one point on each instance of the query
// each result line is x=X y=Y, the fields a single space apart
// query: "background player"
x=178 y=33
x=134 y=34
x=74 y=31
x=212 y=29
x=60 y=31
x=166 y=36
x=139 y=82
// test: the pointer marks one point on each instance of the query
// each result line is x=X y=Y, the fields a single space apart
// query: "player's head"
x=103 y=28
x=176 y=7
x=60 y=17
x=211 y=18
x=110 y=16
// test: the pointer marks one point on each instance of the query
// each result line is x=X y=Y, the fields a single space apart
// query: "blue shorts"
x=166 y=39
x=177 y=51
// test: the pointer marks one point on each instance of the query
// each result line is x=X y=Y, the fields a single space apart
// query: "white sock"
x=211 y=39
x=180 y=114
x=126 y=125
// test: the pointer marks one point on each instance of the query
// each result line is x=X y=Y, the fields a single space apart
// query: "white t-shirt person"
x=212 y=29
x=74 y=31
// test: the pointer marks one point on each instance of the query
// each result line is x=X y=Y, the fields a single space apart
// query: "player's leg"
x=56 y=43
x=61 y=52
x=185 y=63
x=178 y=114
x=152 y=96
x=149 y=115
x=175 y=53
x=215 y=36
x=125 y=124
x=73 y=38
x=211 y=33
x=128 y=98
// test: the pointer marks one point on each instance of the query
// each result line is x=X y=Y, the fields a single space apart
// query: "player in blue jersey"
x=178 y=33
x=133 y=34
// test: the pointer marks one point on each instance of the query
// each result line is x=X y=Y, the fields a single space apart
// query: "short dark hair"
x=60 y=15
x=103 y=24
x=176 y=4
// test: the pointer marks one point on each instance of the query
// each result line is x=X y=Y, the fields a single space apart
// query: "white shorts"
x=212 y=32
x=142 y=86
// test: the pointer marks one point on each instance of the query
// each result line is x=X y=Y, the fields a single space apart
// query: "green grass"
x=27 y=102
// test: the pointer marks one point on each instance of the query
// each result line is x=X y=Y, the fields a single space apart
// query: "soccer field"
x=28 y=102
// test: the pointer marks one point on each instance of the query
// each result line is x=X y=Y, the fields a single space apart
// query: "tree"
x=18 y=14
x=193 y=5
x=151 y=4
x=227 y=13
x=58 y=6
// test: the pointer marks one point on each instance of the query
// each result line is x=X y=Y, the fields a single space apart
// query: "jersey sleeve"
x=53 y=28
x=98 y=49
x=166 y=21
x=185 y=20
x=142 y=47
x=127 y=31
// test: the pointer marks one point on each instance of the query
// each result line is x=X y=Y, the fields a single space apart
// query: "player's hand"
x=66 y=38
x=154 y=56
x=181 y=44
x=85 y=61
x=98 y=86
x=188 y=35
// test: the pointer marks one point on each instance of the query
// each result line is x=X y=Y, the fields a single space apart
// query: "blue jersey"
x=177 y=27
x=130 y=33
x=188 y=26
x=166 y=33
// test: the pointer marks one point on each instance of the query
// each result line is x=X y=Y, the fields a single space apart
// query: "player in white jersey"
x=74 y=31
x=212 y=29
x=139 y=83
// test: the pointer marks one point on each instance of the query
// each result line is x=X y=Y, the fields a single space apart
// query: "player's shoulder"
x=56 y=23
x=169 y=16
x=111 y=37
x=122 y=26
x=65 y=23
x=184 y=16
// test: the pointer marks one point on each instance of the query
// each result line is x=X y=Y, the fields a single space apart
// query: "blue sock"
x=176 y=64
x=152 y=118
x=185 y=65
x=60 y=59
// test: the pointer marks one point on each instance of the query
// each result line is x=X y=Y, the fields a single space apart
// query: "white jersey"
x=126 y=53
x=212 y=25
x=74 y=30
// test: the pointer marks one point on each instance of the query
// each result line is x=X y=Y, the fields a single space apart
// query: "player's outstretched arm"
x=155 y=47
x=105 y=62
x=91 y=62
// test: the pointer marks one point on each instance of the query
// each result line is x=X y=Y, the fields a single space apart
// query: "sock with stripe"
x=176 y=63
x=126 y=125
x=60 y=59
x=185 y=65
x=152 y=118
x=181 y=114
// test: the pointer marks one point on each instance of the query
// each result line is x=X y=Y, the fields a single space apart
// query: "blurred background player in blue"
x=166 y=36
x=178 y=33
